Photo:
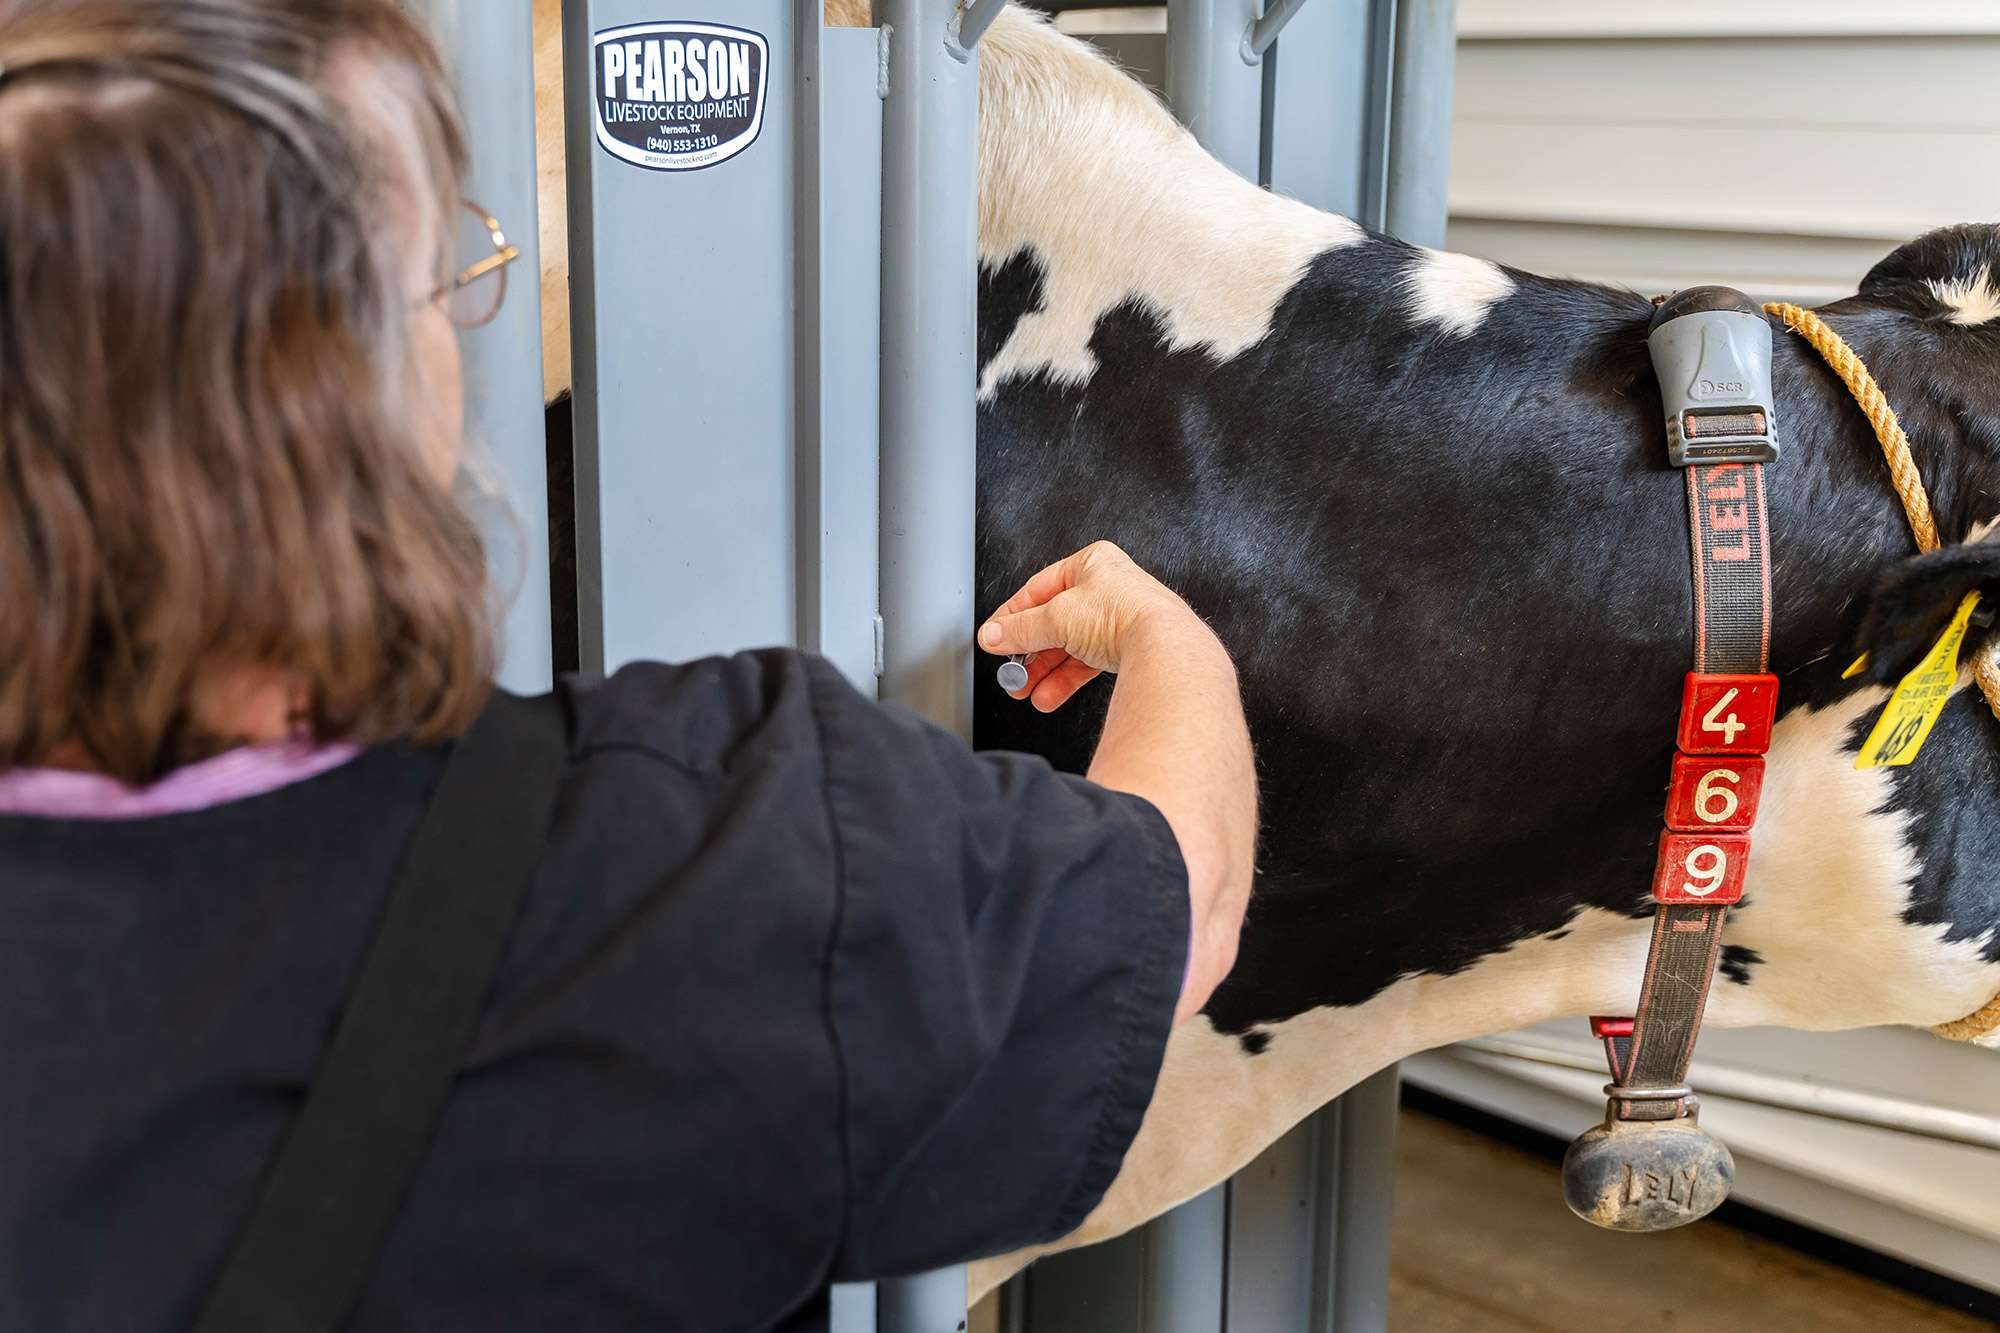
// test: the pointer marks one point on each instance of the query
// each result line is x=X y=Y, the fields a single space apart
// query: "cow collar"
x=1650 y=1166
x=1909 y=484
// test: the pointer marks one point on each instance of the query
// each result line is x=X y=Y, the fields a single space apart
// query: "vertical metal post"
x=1323 y=136
x=1217 y=94
x=1425 y=56
x=1365 y=1180
x=491 y=55
x=1417 y=178
x=682 y=300
x=932 y=1303
x=1186 y=1267
x=837 y=309
x=930 y=265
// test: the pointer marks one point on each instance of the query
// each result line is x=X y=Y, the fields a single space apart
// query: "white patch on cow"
x=1823 y=908
x=1118 y=202
x=1215 y=1107
x=1454 y=290
x=1972 y=300
x=1829 y=881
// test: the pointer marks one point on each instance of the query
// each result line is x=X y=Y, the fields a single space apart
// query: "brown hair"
x=207 y=450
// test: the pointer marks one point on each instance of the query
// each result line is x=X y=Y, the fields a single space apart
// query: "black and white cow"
x=1424 y=499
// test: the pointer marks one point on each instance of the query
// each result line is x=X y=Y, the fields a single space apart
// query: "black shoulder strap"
x=341 y=1171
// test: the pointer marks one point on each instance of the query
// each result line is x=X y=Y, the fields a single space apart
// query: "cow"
x=1424 y=499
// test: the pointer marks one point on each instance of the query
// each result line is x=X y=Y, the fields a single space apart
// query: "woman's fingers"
x=1056 y=687
x=1026 y=630
x=1039 y=666
x=1044 y=586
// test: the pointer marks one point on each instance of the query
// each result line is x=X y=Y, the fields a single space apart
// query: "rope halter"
x=1841 y=359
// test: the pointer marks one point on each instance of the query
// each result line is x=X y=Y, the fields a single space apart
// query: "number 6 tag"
x=1714 y=793
x=1702 y=869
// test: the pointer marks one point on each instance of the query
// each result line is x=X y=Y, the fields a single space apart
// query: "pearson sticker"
x=679 y=96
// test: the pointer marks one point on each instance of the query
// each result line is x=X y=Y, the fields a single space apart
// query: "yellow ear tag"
x=1913 y=709
x=1855 y=669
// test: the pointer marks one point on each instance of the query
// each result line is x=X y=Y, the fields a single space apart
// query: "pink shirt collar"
x=57 y=793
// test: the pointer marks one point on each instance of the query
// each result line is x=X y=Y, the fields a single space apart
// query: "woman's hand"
x=1080 y=617
x=1173 y=733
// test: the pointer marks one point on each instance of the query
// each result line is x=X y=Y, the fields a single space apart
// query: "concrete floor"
x=1483 y=1244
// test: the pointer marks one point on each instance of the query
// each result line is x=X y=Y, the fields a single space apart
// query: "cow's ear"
x=1901 y=616
x=1950 y=276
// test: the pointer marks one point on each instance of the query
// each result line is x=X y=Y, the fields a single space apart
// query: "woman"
x=799 y=990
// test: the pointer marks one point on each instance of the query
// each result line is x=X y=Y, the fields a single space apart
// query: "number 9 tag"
x=1701 y=869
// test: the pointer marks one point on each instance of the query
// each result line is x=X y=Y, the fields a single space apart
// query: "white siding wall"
x=1781 y=148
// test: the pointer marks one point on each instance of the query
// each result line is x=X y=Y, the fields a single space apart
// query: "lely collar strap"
x=1712 y=352
x=1711 y=349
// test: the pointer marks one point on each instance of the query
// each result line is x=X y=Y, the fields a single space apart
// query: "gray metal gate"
x=774 y=443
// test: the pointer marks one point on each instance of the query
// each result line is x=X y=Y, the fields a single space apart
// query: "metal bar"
x=933 y=1303
x=1375 y=152
x=929 y=293
x=1317 y=140
x=1185 y=1268
x=690 y=352
x=1855 y=1106
x=1257 y=38
x=970 y=24
x=492 y=59
x=851 y=1308
x=930 y=267
x=1425 y=55
x=580 y=163
x=1217 y=96
x=1365 y=1182
x=1271 y=1241
x=1322 y=1307
x=838 y=283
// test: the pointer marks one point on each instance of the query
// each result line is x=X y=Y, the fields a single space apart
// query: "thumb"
x=1027 y=631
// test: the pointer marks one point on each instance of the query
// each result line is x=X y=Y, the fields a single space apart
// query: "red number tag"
x=1714 y=793
x=1727 y=714
x=1705 y=869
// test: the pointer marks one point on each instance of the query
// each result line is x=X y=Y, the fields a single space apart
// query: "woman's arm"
x=1174 y=735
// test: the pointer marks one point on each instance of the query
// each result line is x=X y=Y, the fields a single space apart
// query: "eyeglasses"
x=473 y=296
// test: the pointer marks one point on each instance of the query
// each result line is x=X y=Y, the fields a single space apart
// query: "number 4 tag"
x=1727 y=714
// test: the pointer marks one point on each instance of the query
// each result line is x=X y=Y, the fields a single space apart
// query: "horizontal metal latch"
x=1711 y=350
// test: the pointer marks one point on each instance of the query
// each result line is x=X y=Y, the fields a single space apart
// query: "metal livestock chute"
x=772 y=298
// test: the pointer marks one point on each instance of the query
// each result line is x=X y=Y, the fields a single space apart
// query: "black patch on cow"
x=1255 y=1042
x=1951 y=794
x=1737 y=960
x=1010 y=290
x=1555 y=935
x=1453 y=572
